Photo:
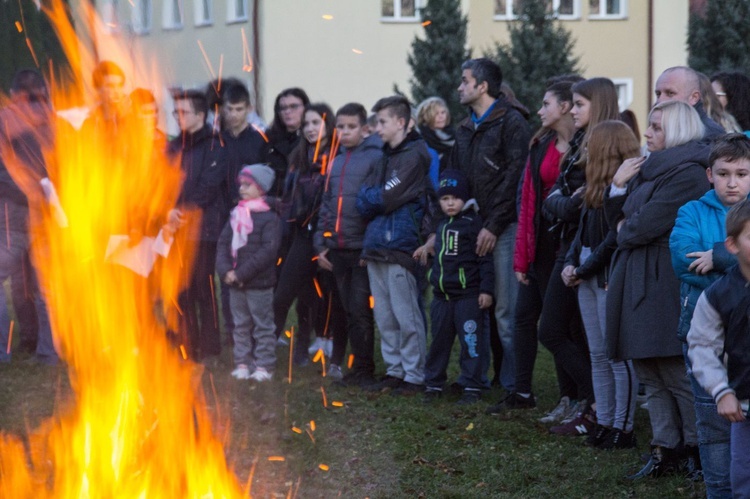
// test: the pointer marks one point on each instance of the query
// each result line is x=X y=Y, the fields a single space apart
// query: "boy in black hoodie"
x=463 y=283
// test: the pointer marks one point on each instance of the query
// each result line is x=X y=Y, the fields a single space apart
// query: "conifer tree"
x=539 y=48
x=436 y=59
x=21 y=20
x=719 y=37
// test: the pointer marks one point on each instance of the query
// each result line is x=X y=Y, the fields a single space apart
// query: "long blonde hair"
x=610 y=143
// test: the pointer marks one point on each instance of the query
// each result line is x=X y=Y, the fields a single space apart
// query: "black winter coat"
x=600 y=238
x=492 y=157
x=256 y=261
x=247 y=148
x=643 y=298
x=203 y=163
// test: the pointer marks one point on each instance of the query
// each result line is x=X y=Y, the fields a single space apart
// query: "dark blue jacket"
x=394 y=200
x=457 y=271
x=203 y=163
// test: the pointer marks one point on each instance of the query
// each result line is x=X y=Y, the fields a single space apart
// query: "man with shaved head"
x=682 y=83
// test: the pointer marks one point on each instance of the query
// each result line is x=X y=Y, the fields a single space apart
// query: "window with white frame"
x=400 y=10
x=624 y=87
x=203 y=10
x=506 y=10
x=140 y=16
x=236 y=11
x=172 y=14
x=608 y=9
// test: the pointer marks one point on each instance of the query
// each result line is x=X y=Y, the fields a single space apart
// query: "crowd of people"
x=575 y=237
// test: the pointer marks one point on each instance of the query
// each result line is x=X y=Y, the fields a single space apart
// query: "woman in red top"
x=536 y=245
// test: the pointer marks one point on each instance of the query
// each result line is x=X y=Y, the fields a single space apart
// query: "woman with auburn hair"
x=560 y=329
x=643 y=297
x=587 y=266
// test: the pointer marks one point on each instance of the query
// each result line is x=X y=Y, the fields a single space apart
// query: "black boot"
x=691 y=463
x=664 y=461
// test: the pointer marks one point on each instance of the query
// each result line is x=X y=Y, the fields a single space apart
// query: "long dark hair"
x=300 y=159
x=737 y=87
x=277 y=127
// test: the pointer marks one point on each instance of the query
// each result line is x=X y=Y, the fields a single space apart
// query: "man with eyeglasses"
x=203 y=163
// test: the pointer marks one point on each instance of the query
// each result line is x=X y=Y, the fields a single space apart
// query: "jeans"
x=615 y=383
x=506 y=290
x=740 y=469
x=353 y=285
x=713 y=439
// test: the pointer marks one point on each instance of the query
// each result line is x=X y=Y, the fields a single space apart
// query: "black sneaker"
x=354 y=378
x=598 y=436
x=431 y=395
x=618 y=439
x=385 y=384
x=512 y=402
x=469 y=397
x=407 y=389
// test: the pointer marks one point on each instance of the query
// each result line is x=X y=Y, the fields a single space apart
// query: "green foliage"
x=436 y=59
x=539 y=48
x=719 y=40
x=15 y=53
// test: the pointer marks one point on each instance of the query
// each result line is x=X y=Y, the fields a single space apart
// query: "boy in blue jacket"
x=699 y=258
x=393 y=202
x=719 y=340
x=463 y=283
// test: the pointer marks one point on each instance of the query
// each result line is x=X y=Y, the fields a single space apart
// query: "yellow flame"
x=140 y=427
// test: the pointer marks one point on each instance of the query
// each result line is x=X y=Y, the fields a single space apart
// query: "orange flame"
x=140 y=427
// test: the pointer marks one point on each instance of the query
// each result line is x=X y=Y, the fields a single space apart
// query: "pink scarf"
x=242 y=222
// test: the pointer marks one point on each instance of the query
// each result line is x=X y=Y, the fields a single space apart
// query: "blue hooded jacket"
x=700 y=226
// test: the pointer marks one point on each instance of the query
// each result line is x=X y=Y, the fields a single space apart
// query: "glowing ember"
x=139 y=427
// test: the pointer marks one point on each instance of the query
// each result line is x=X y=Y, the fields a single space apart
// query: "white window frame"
x=232 y=10
x=109 y=12
x=137 y=16
x=624 y=88
x=509 y=16
x=398 y=18
x=168 y=14
x=602 y=14
x=198 y=6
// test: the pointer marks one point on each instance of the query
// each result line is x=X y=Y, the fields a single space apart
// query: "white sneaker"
x=328 y=348
x=318 y=344
x=261 y=374
x=558 y=413
x=241 y=372
x=334 y=372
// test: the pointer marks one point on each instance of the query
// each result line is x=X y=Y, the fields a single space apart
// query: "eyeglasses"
x=181 y=112
x=720 y=94
x=290 y=107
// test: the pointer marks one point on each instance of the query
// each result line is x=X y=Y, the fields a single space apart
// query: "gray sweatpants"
x=254 y=336
x=403 y=339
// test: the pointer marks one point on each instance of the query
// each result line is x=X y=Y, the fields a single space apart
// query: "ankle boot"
x=691 y=463
x=664 y=461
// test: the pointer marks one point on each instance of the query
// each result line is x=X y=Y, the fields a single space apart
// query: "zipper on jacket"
x=440 y=259
x=339 y=202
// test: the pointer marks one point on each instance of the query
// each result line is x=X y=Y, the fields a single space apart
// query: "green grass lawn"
x=376 y=445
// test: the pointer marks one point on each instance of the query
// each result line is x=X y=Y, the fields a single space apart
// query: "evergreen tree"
x=719 y=38
x=436 y=60
x=539 y=48
x=22 y=20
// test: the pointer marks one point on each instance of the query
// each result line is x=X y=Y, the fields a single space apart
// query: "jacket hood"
x=711 y=199
x=660 y=162
x=370 y=142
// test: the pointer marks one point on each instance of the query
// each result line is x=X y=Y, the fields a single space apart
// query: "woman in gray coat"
x=643 y=299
